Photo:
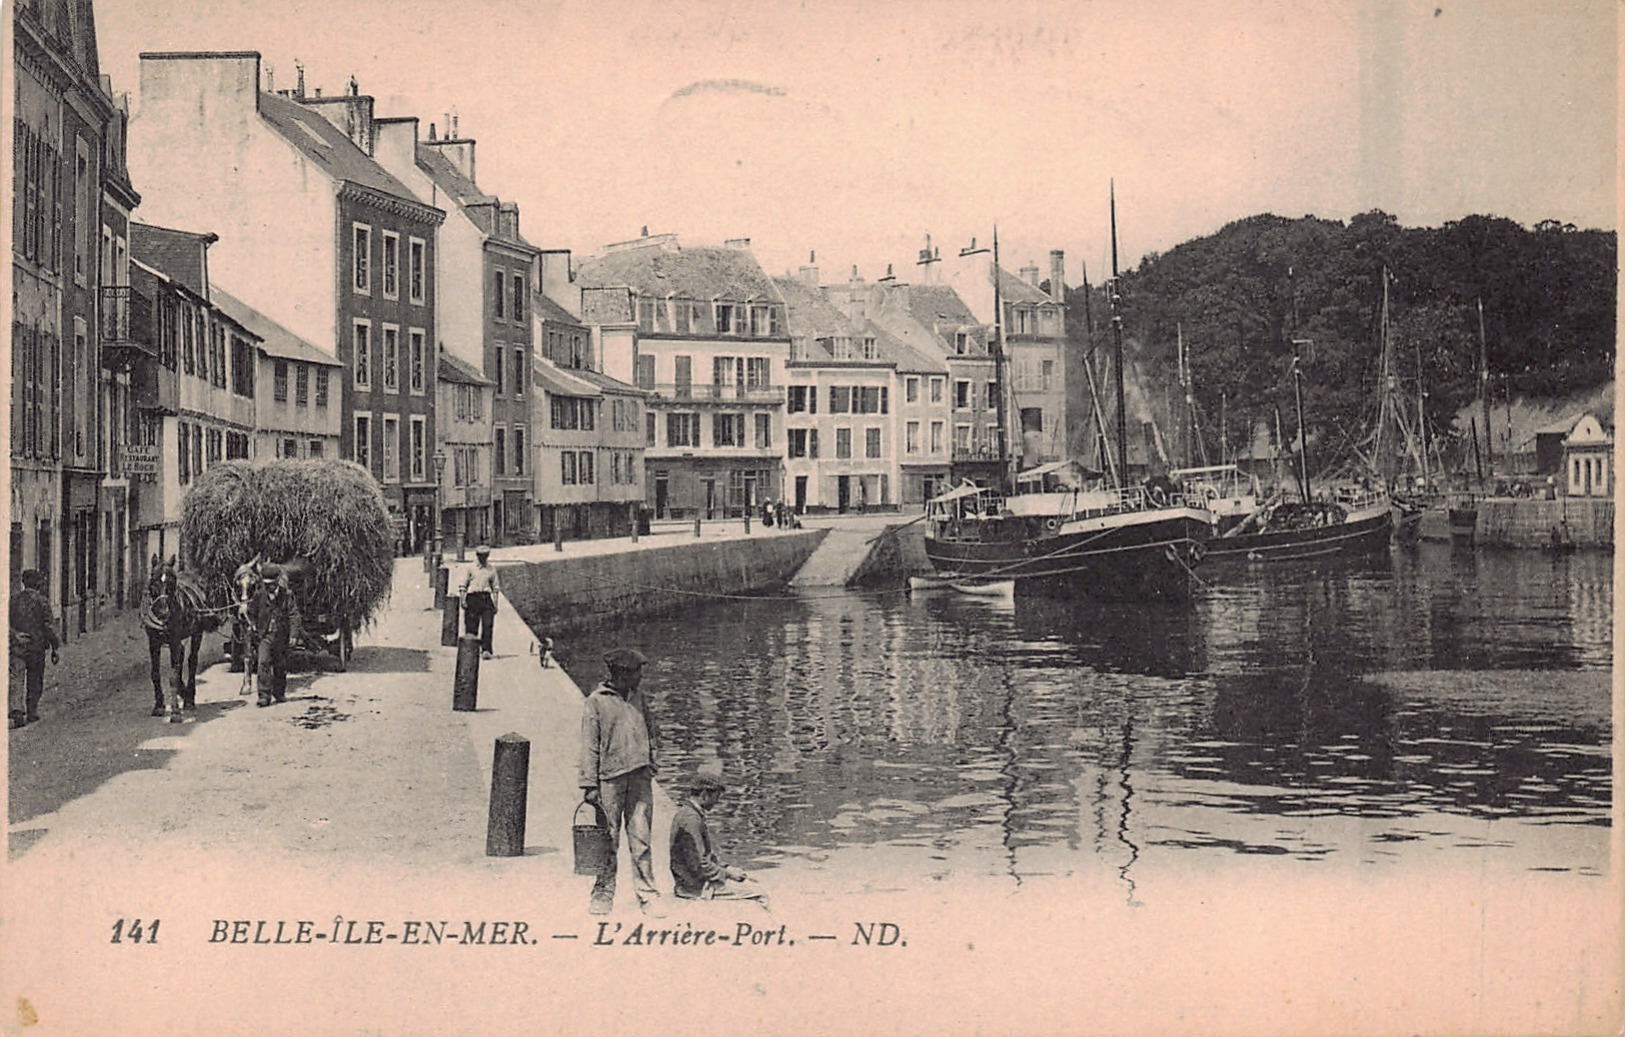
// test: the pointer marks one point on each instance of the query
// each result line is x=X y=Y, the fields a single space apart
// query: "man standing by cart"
x=273 y=619
x=479 y=589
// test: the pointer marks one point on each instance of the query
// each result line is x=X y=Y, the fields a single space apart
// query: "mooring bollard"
x=510 y=783
x=442 y=579
x=448 y=621
x=465 y=691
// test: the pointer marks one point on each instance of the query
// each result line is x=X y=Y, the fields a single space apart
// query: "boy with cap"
x=618 y=746
x=698 y=872
x=479 y=589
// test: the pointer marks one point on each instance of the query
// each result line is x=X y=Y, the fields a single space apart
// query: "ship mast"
x=1117 y=354
x=1484 y=393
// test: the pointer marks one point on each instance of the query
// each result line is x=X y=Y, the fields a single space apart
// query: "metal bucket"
x=592 y=846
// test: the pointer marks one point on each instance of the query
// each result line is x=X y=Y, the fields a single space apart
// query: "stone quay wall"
x=1522 y=522
x=566 y=593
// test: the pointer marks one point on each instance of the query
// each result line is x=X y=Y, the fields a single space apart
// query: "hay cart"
x=324 y=521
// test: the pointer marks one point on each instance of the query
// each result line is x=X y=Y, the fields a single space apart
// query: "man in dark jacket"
x=618 y=747
x=273 y=619
x=33 y=631
x=698 y=872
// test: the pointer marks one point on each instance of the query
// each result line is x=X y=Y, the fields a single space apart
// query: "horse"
x=179 y=609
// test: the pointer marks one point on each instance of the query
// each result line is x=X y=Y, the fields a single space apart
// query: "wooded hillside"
x=1241 y=295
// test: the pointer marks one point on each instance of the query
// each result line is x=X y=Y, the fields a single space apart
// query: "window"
x=280 y=382
x=728 y=430
x=1047 y=374
x=519 y=297
x=840 y=399
x=499 y=294
x=936 y=437
x=756 y=372
x=392 y=448
x=764 y=431
x=518 y=372
x=183 y=453
x=392 y=358
x=682 y=429
x=501 y=464
x=321 y=387
x=841 y=347
x=363 y=440
x=301 y=385
x=649 y=428
x=615 y=468
x=188 y=355
x=961 y=437
x=567 y=467
x=911 y=438
x=804 y=442
x=84 y=184
x=362 y=259
x=871 y=443
x=315 y=449
x=519 y=450
x=416 y=250
x=392 y=264
x=936 y=390
x=420 y=447
x=992 y=395
x=569 y=412
x=584 y=467
x=502 y=387
x=1032 y=419
x=911 y=390
x=869 y=399
x=803 y=399
x=726 y=322
x=645 y=371
x=961 y=343
x=288 y=448
x=362 y=348
x=843 y=443
x=961 y=394
x=420 y=376
x=870 y=349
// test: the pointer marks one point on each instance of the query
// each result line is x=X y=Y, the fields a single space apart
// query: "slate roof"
x=811 y=317
x=329 y=147
x=546 y=308
x=606 y=305
x=178 y=254
x=690 y=273
x=275 y=340
x=913 y=313
x=451 y=369
x=1014 y=289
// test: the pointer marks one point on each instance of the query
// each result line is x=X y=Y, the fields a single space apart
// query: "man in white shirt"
x=479 y=589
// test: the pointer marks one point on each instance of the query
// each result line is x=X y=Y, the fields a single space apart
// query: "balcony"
x=978 y=452
x=154 y=386
x=126 y=327
x=734 y=393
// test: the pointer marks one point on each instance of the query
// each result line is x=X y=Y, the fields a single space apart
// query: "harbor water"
x=1426 y=708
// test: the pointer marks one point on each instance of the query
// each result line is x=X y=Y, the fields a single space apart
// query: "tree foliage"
x=1241 y=296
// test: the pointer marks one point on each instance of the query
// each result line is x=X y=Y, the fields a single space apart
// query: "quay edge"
x=1529 y=523
x=560 y=592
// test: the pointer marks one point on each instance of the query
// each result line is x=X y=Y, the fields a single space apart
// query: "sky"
x=850 y=130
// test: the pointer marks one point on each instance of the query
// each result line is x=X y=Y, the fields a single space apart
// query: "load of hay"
x=329 y=512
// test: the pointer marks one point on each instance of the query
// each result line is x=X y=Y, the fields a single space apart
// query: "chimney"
x=742 y=244
x=890 y=277
x=855 y=278
x=809 y=270
x=1029 y=273
x=299 y=85
x=432 y=132
x=270 y=79
x=1057 y=275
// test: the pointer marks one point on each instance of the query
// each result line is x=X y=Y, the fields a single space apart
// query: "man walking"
x=479 y=589
x=273 y=616
x=698 y=871
x=33 y=630
x=618 y=747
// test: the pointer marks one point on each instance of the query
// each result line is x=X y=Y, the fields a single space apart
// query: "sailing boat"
x=1065 y=529
x=1462 y=509
x=1351 y=520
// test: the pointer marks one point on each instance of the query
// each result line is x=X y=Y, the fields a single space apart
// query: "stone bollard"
x=558 y=535
x=696 y=526
x=747 y=520
x=465 y=690
x=510 y=783
x=442 y=579
x=448 y=621
x=636 y=518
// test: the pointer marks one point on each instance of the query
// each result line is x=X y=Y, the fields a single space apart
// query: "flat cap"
x=624 y=659
x=270 y=571
x=706 y=783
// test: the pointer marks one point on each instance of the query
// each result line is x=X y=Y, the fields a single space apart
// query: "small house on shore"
x=1588 y=457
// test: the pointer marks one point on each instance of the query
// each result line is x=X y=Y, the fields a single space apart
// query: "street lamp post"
x=439 y=473
x=437 y=570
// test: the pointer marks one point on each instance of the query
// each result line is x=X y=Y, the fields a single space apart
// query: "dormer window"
x=870 y=349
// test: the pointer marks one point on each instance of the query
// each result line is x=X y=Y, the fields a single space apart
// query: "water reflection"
x=1363 y=715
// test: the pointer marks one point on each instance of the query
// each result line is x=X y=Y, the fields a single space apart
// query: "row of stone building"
x=240 y=271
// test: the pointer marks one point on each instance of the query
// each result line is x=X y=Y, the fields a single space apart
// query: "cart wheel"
x=346 y=646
